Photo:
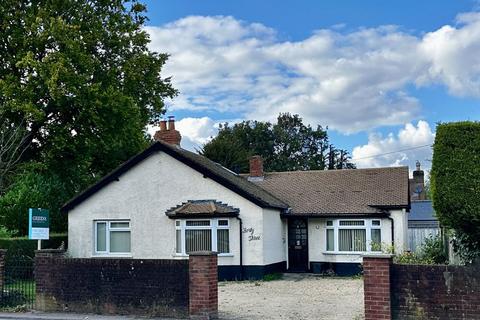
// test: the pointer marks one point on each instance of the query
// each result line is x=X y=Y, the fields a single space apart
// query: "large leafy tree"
x=80 y=79
x=455 y=183
x=286 y=145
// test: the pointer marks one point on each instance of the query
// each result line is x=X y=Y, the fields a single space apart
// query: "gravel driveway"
x=296 y=296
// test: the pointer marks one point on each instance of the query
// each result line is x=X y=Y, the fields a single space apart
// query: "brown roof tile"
x=202 y=207
x=358 y=191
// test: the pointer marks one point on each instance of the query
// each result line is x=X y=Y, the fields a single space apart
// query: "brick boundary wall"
x=400 y=291
x=203 y=285
x=148 y=287
x=376 y=287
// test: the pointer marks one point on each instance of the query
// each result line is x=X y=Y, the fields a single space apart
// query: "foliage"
x=5 y=233
x=272 y=276
x=13 y=298
x=433 y=249
x=455 y=183
x=78 y=77
x=34 y=188
x=286 y=145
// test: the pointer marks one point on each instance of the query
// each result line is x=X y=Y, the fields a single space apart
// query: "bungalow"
x=166 y=202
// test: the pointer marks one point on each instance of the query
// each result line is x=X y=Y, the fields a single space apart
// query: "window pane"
x=223 y=245
x=352 y=240
x=359 y=240
x=198 y=240
x=119 y=225
x=330 y=240
x=177 y=223
x=178 y=245
x=198 y=223
x=120 y=241
x=101 y=236
x=329 y=223
x=345 y=240
x=352 y=223
x=375 y=222
x=223 y=222
x=376 y=240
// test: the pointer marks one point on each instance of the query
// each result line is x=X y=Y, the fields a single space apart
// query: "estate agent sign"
x=38 y=224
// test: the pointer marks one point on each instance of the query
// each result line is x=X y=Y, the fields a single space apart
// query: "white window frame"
x=181 y=225
x=367 y=226
x=109 y=229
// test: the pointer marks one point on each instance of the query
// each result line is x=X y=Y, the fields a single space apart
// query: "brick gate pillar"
x=203 y=285
x=45 y=262
x=376 y=286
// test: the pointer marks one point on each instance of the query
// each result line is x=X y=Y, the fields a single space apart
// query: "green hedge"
x=455 y=179
x=24 y=249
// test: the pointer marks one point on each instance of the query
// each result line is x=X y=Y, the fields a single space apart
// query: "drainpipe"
x=241 y=248
x=393 y=241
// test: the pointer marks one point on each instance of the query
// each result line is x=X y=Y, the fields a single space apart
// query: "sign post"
x=38 y=225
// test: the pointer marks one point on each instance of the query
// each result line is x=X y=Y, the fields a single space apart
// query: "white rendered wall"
x=274 y=240
x=145 y=192
x=400 y=236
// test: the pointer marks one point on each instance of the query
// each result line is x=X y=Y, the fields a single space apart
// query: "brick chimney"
x=256 y=168
x=417 y=184
x=168 y=135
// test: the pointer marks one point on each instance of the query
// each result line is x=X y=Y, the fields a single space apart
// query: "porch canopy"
x=202 y=209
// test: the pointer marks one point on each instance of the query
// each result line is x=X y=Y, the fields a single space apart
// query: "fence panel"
x=18 y=288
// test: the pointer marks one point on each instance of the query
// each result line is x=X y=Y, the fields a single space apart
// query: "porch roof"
x=202 y=208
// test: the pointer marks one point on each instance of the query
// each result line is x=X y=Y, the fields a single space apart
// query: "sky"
x=379 y=74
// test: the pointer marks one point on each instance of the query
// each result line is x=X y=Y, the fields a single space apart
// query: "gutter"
x=393 y=242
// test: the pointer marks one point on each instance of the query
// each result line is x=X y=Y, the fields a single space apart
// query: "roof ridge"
x=336 y=170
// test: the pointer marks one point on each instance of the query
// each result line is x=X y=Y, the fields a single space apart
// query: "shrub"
x=455 y=183
x=434 y=250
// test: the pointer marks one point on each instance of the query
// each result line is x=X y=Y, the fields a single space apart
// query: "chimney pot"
x=171 y=123
x=256 y=168
x=163 y=125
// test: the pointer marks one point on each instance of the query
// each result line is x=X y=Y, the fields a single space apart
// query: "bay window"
x=112 y=237
x=353 y=235
x=202 y=235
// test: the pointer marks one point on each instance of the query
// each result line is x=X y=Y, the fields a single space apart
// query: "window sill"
x=117 y=255
x=343 y=253
x=219 y=255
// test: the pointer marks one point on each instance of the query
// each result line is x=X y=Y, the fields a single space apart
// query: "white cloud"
x=350 y=81
x=381 y=151
x=196 y=131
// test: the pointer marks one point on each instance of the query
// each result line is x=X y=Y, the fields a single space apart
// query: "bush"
x=455 y=183
x=12 y=298
x=434 y=250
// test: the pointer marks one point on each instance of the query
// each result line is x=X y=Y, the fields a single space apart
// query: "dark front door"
x=297 y=245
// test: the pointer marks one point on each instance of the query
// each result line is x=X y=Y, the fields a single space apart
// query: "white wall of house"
x=400 y=230
x=274 y=237
x=146 y=191
x=317 y=250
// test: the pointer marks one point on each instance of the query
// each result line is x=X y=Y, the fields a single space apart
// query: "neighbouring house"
x=166 y=202
x=422 y=222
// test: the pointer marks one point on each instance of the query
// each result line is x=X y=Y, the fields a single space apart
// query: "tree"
x=285 y=146
x=82 y=75
x=12 y=145
x=455 y=183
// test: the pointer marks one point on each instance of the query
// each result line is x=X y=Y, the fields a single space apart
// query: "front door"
x=297 y=245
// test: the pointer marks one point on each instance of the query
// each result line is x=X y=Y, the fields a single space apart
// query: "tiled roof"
x=200 y=163
x=202 y=207
x=332 y=192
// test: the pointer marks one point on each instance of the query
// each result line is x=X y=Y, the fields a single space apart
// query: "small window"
x=198 y=223
x=352 y=223
x=375 y=222
x=223 y=223
x=330 y=240
x=177 y=223
x=112 y=237
x=329 y=223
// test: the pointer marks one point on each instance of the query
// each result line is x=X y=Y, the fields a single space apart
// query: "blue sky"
x=379 y=74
